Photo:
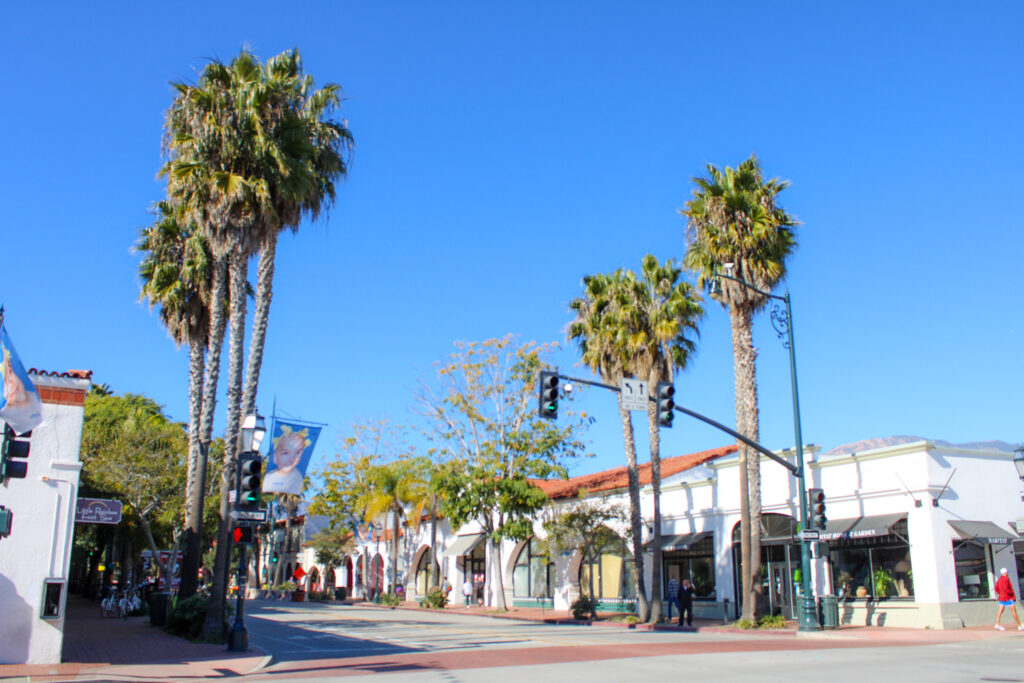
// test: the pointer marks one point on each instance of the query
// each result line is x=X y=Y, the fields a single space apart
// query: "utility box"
x=828 y=607
x=158 y=608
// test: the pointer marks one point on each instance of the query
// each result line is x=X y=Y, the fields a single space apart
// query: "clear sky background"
x=505 y=150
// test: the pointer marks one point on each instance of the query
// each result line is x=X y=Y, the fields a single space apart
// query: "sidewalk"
x=131 y=649
x=844 y=632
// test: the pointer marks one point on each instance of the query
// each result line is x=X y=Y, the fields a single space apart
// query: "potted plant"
x=885 y=585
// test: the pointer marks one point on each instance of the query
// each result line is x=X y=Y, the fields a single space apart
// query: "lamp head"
x=1018 y=460
x=253 y=430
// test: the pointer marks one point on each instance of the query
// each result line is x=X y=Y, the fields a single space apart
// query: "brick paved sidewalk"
x=132 y=648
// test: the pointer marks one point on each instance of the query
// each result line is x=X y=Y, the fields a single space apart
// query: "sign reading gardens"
x=98 y=511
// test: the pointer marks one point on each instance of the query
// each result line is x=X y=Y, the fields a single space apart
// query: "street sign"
x=97 y=511
x=809 y=534
x=634 y=394
x=249 y=515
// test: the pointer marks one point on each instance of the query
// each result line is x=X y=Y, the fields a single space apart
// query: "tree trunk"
x=499 y=587
x=261 y=315
x=740 y=326
x=196 y=481
x=655 y=439
x=636 y=521
x=215 y=626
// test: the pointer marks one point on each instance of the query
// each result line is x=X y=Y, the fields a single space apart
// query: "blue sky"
x=505 y=150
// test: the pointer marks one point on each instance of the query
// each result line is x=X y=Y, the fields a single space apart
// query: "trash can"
x=829 y=609
x=158 y=608
x=340 y=593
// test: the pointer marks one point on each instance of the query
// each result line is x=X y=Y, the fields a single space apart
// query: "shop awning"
x=680 y=541
x=463 y=545
x=861 y=527
x=982 y=532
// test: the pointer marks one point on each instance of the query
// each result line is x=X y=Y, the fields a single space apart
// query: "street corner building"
x=35 y=556
x=916 y=535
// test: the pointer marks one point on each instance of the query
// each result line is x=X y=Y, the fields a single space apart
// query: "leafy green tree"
x=586 y=528
x=735 y=217
x=250 y=154
x=131 y=450
x=331 y=547
x=483 y=419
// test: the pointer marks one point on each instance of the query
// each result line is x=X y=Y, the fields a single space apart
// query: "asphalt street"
x=314 y=642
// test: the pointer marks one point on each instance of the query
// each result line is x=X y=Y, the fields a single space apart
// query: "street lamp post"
x=253 y=431
x=782 y=321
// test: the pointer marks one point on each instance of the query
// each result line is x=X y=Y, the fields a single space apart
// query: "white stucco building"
x=38 y=550
x=917 y=534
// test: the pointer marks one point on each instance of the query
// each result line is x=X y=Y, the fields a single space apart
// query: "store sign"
x=98 y=511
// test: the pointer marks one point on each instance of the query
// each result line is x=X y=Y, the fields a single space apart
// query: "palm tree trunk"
x=261 y=315
x=655 y=439
x=196 y=481
x=435 y=566
x=740 y=326
x=636 y=522
x=214 y=625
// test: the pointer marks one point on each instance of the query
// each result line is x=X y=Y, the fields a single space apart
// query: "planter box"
x=298 y=596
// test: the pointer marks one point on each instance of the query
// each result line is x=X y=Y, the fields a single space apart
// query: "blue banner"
x=20 y=406
x=291 y=448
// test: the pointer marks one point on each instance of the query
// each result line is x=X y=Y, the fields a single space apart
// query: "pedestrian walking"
x=673 y=596
x=467 y=590
x=686 y=603
x=1006 y=596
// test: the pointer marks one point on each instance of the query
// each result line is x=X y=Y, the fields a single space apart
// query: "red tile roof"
x=74 y=374
x=617 y=478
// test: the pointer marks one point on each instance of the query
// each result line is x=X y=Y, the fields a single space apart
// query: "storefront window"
x=423 y=571
x=532 y=575
x=971 y=571
x=697 y=564
x=873 y=567
x=613 y=573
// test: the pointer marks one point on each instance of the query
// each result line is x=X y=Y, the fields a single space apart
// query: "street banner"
x=291 y=446
x=20 y=406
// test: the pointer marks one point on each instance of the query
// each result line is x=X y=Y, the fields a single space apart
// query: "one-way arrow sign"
x=249 y=515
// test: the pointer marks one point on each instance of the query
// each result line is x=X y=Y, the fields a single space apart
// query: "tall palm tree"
x=735 y=217
x=602 y=340
x=250 y=154
x=658 y=313
x=175 y=275
x=394 y=487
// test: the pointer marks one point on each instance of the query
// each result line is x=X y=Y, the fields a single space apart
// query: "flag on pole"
x=20 y=406
x=291 y=447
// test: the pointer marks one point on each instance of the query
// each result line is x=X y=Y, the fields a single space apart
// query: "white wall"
x=39 y=546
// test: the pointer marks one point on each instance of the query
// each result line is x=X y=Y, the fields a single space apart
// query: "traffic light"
x=273 y=558
x=243 y=534
x=6 y=519
x=547 y=405
x=12 y=454
x=250 y=479
x=665 y=404
x=816 y=518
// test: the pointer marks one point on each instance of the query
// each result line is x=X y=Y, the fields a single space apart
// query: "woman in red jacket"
x=1005 y=595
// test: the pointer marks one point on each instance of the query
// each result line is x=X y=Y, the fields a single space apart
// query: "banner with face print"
x=20 y=406
x=291 y=448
